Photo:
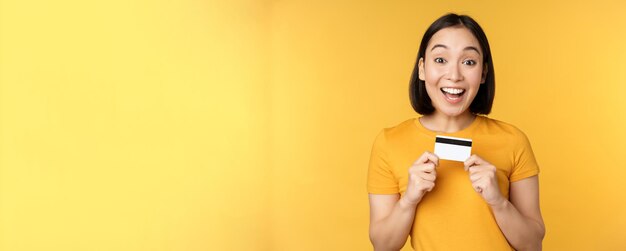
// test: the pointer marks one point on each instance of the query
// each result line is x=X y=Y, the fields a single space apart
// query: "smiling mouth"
x=452 y=94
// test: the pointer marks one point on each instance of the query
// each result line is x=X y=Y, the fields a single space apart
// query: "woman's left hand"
x=483 y=176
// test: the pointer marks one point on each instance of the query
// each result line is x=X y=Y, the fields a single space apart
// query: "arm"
x=520 y=218
x=391 y=219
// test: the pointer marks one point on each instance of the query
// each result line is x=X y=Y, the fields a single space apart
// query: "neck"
x=439 y=122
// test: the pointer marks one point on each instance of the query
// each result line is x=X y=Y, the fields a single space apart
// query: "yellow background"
x=247 y=125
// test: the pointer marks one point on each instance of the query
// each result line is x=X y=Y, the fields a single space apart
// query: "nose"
x=454 y=73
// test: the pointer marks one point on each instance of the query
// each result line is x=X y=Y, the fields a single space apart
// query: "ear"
x=485 y=70
x=421 y=69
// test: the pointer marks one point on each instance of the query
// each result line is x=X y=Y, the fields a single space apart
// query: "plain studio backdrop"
x=247 y=125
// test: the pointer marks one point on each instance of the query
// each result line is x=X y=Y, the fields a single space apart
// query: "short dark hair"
x=483 y=101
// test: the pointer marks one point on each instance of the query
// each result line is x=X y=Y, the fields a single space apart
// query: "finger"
x=423 y=184
x=475 y=177
x=432 y=172
x=422 y=159
x=427 y=176
x=426 y=157
x=422 y=168
x=474 y=169
x=431 y=187
x=433 y=158
x=428 y=167
x=474 y=160
x=470 y=161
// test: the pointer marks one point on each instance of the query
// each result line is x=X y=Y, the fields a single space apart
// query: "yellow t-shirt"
x=452 y=216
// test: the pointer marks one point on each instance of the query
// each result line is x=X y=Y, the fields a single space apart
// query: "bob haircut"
x=483 y=101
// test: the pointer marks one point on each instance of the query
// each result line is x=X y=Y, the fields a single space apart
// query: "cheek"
x=432 y=75
x=475 y=74
x=473 y=79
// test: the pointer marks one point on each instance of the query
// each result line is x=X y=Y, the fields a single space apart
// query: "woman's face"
x=452 y=69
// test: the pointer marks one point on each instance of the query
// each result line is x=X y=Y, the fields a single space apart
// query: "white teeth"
x=452 y=90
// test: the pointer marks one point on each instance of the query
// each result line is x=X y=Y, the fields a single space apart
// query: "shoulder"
x=498 y=127
x=393 y=135
x=399 y=130
x=505 y=132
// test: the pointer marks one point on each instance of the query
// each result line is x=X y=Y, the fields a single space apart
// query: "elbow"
x=530 y=247
x=537 y=244
x=542 y=232
x=540 y=235
x=380 y=243
x=385 y=247
x=377 y=242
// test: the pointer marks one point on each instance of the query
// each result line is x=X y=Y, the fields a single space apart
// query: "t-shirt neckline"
x=465 y=131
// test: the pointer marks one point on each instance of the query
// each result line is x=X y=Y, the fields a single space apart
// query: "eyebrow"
x=469 y=48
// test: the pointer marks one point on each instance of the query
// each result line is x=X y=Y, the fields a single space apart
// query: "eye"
x=469 y=62
x=440 y=60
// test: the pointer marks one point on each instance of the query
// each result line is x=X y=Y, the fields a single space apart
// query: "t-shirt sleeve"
x=380 y=178
x=525 y=162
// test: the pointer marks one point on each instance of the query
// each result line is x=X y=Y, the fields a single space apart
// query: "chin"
x=451 y=112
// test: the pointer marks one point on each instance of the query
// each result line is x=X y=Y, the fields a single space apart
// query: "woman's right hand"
x=422 y=175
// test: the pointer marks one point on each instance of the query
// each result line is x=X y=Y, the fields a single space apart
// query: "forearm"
x=521 y=232
x=392 y=232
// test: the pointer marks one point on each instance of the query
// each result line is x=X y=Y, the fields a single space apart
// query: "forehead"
x=454 y=38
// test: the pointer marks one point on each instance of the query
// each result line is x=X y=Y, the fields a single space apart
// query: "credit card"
x=451 y=148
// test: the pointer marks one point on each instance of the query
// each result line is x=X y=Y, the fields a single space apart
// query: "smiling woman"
x=473 y=60
x=490 y=201
x=457 y=66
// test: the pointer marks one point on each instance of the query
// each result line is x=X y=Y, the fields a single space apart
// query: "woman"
x=488 y=202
